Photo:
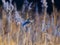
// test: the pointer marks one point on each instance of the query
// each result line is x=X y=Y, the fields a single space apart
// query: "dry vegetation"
x=17 y=35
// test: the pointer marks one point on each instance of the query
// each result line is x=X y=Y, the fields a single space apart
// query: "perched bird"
x=19 y=19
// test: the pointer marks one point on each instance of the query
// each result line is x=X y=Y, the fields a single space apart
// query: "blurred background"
x=29 y=22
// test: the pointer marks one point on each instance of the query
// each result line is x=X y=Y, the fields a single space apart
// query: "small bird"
x=18 y=19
